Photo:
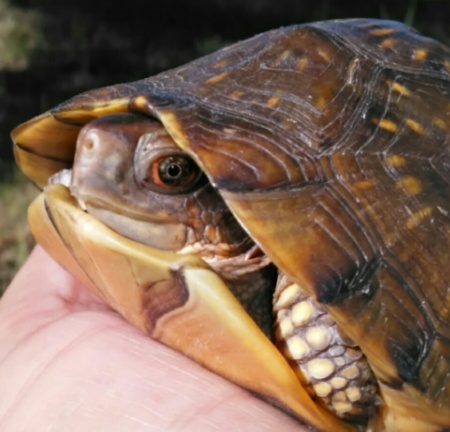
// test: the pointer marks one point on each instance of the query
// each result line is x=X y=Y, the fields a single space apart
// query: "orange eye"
x=173 y=173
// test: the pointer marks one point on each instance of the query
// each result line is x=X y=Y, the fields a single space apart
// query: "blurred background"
x=51 y=50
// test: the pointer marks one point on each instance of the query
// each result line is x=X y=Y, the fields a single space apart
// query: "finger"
x=41 y=293
x=92 y=369
x=108 y=377
x=41 y=278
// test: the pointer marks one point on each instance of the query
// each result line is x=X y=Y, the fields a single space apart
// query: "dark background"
x=53 y=49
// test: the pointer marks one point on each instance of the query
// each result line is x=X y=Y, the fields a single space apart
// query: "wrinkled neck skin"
x=113 y=179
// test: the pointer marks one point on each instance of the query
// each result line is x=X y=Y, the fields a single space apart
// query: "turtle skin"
x=330 y=143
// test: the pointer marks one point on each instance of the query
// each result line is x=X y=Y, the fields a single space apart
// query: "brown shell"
x=330 y=142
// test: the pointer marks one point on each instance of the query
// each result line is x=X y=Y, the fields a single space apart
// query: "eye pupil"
x=173 y=171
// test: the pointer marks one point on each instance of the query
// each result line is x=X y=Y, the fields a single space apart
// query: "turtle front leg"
x=331 y=367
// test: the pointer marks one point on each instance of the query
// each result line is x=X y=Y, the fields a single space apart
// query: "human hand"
x=70 y=363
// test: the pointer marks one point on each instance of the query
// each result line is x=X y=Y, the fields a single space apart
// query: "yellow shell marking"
x=321 y=102
x=301 y=64
x=236 y=94
x=396 y=161
x=387 y=43
x=420 y=54
x=141 y=102
x=174 y=128
x=411 y=185
x=365 y=185
x=220 y=63
x=416 y=218
x=216 y=78
x=387 y=125
x=368 y=24
x=273 y=101
x=415 y=126
x=285 y=55
x=381 y=31
x=323 y=54
x=229 y=131
x=441 y=124
x=399 y=88
x=281 y=58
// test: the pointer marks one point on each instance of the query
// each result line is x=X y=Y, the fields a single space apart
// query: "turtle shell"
x=330 y=143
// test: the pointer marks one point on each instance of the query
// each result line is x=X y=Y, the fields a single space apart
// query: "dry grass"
x=16 y=241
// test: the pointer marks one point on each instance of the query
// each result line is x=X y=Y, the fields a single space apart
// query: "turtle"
x=278 y=211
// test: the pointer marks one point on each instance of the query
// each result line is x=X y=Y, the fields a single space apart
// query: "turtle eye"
x=160 y=165
x=174 y=173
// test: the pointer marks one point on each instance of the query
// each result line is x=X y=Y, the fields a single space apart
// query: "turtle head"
x=129 y=173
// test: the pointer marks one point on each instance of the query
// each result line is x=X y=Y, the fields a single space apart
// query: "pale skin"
x=70 y=363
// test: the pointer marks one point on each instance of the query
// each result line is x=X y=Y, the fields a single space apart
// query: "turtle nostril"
x=89 y=144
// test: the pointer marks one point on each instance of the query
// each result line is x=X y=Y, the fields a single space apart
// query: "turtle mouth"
x=228 y=260
x=64 y=178
x=229 y=266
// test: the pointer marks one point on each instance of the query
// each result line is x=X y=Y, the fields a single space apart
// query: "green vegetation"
x=20 y=35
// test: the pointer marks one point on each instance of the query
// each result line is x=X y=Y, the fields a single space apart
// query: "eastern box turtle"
x=279 y=211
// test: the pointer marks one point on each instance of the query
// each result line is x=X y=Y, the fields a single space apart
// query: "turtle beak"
x=175 y=299
x=46 y=144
